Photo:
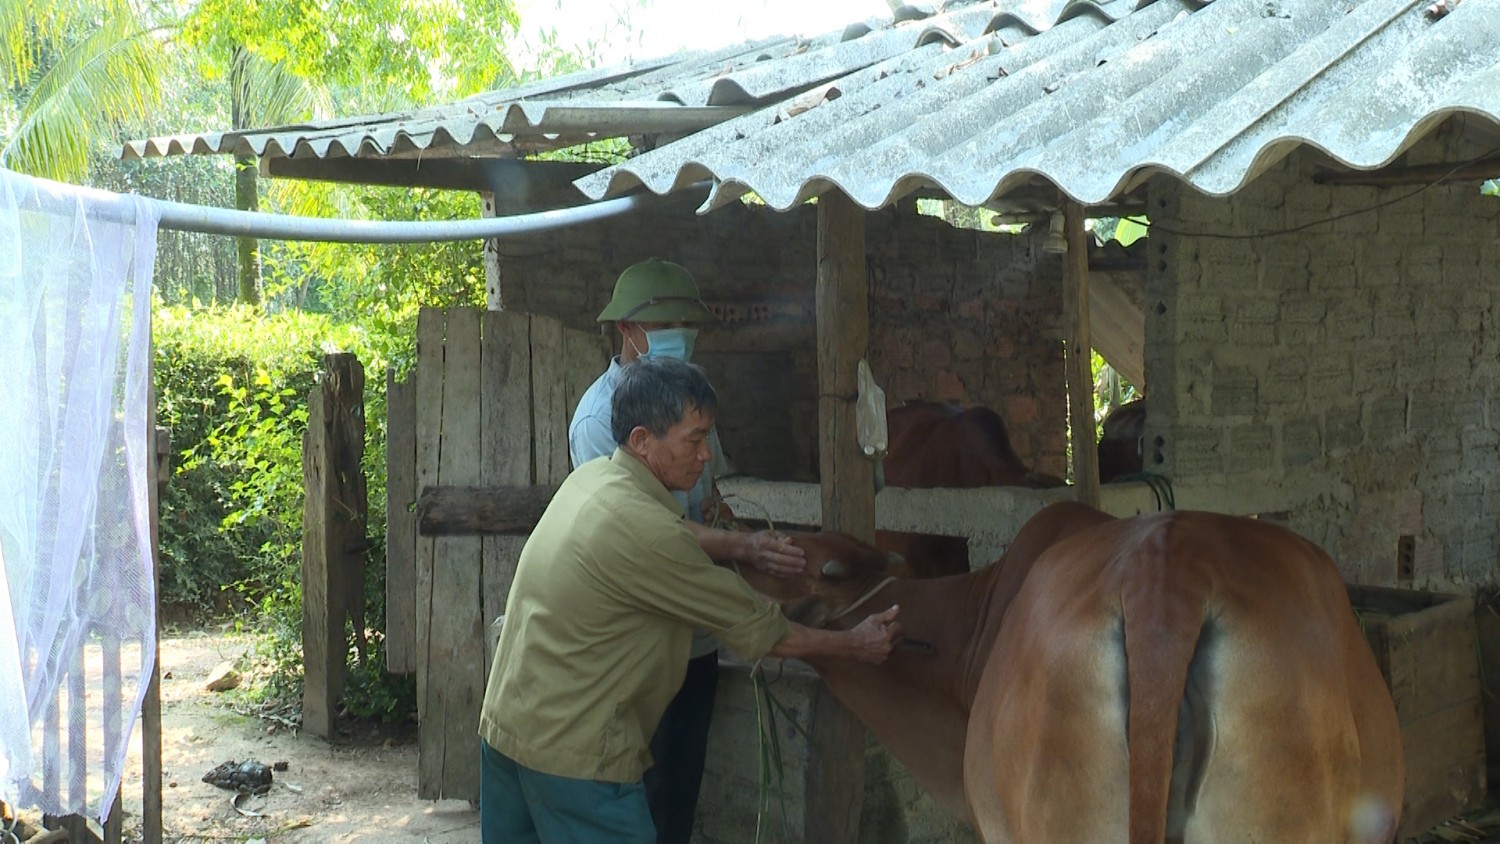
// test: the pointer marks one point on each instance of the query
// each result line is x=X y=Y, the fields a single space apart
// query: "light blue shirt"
x=589 y=438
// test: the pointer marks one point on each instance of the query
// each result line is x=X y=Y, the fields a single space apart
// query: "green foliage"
x=382 y=287
x=1131 y=230
x=191 y=268
x=965 y=216
x=71 y=73
x=369 y=692
x=266 y=93
x=385 y=53
x=208 y=544
x=260 y=443
x=232 y=383
x=1490 y=188
x=1126 y=230
x=1110 y=390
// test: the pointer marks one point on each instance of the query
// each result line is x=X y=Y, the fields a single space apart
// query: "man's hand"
x=772 y=553
x=871 y=641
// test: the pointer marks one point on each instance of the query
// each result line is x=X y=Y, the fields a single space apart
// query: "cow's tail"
x=1176 y=625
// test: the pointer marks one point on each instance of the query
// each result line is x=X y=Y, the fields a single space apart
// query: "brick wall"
x=1342 y=377
x=956 y=315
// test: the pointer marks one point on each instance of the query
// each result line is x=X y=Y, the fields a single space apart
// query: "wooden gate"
x=489 y=406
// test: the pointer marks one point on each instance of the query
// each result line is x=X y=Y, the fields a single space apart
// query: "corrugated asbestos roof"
x=977 y=98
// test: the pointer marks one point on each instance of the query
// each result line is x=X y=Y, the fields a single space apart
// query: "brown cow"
x=1184 y=677
x=936 y=445
x=933 y=444
x=1120 y=443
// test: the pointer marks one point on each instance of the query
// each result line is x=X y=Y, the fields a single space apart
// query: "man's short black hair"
x=656 y=393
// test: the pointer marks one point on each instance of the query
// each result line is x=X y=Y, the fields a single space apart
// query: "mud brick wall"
x=956 y=315
x=1341 y=378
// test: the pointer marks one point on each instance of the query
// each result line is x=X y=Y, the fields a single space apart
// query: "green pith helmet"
x=656 y=291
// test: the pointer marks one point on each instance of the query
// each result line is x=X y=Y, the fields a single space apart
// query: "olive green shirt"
x=599 y=621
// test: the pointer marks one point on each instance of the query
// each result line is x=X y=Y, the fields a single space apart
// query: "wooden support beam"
x=114 y=825
x=835 y=784
x=1077 y=347
x=485 y=511
x=506 y=451
x=843 y=313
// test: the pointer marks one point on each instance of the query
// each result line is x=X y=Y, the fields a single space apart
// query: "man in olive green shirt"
x=600 y=619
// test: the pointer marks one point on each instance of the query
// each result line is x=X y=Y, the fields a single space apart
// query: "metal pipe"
x=181 y=216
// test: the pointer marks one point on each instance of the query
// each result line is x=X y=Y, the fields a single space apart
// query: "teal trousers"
x=520 y=806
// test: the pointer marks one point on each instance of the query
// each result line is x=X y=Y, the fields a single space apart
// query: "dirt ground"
x=361 y=788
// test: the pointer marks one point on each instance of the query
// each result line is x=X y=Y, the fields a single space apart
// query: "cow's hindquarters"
x=1203 y=684
x=1281 y=759
x=1304 y=745
x=1045 y=757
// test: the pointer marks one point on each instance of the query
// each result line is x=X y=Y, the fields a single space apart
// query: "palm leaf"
x=274 y=95
x=31 y=28
x=27 y=29
x=316 y=199
x=111 y=76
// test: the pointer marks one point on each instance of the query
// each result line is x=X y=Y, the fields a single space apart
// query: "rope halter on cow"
x=862 y=599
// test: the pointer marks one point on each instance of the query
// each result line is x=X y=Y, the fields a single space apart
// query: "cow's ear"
x=834 y=569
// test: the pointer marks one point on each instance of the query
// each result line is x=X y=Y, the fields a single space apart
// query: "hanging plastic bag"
x=869 y=415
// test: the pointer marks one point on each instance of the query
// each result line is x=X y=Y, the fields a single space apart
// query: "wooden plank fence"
x=508 y=457
x=489 y=407
x=400 y=524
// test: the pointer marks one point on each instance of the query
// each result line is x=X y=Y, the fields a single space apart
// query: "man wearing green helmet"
x=656 y=309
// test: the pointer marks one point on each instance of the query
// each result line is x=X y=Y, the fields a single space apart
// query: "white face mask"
x=669 y=343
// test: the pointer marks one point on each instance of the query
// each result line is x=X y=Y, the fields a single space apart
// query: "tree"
x=73 y=72
x=262 y=93
x=284 y=58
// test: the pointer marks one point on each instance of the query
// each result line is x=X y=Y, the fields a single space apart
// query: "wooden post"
x=151 y=767
x=1078 y=348
x=319 y=628
x=835 y=782
x=492 y=301
x=333 y=536
x=843 y=314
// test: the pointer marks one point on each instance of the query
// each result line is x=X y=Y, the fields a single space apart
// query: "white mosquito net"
x=77 y=599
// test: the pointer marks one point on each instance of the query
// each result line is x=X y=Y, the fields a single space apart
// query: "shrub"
x=232 y=384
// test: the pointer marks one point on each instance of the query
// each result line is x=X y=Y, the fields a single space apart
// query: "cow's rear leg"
x=1051 y=766
x=1282 y=759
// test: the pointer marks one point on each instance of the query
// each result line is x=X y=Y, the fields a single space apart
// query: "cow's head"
x=840 y=571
